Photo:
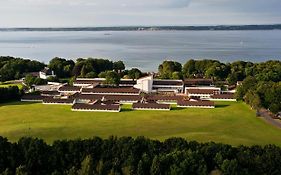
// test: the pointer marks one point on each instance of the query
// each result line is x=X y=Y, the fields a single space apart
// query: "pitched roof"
x=223 y=96
x=108 y=107
x=168 y=82
x=164 y=98
x=47 y=71
x=123 y=97
x=32 y=97
x=150 y=106
x=93 y=81
x=201 y=81
x=70 y=88
x=50 y=93
x=123 y=82
x=88 y=96
x=200 y=91
x=118 y=90
x=196 y=103
x=58 y=100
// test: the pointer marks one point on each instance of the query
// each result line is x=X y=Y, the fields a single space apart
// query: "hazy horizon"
x=84 y=13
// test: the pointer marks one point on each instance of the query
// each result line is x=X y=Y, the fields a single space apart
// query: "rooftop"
x=70 y=88
x=118 y=90
x=108 y=107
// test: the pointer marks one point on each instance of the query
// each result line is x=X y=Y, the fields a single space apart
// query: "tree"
x=167 y=68
x=21 y=170
x=118 y=66
x=156 y=166
x=61 y=67
x=189 y=68
x=253 y=99
x=134 y=73
x=176 y=76
x=230 y=167
x=112 y=78
x=87 y=166
x=102 y=75
x=91 y=75
x=29 y=80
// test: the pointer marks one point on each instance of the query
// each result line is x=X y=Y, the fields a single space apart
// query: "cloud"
x=50 y=13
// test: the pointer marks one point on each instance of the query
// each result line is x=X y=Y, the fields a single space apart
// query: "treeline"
x=92 y=68
x=14 y=68
x=139 y=156
x=257 y=94
x=9 y=94
x=232 y=72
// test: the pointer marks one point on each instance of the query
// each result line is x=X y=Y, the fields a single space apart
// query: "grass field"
x=20 y=86
x=230 y=122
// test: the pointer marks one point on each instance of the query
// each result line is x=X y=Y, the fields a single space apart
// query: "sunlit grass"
x=230 y=122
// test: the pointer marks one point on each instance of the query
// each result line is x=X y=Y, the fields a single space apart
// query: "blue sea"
x=144 y=49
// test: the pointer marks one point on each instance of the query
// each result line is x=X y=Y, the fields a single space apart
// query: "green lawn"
x=20 y=86
x=231 y=122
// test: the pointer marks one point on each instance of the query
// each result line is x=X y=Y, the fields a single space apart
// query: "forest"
x=140 y=156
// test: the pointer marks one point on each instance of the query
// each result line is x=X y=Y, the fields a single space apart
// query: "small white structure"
x=145 y=84
x=46 y=73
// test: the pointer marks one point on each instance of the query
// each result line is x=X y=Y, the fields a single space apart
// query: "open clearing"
x=230 y=122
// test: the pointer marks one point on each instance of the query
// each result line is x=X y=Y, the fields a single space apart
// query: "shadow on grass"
x=17 y=103
x=177 y=109
x=126 y=110
x=221 y=106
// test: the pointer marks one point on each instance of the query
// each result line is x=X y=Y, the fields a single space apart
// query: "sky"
x=95 y=13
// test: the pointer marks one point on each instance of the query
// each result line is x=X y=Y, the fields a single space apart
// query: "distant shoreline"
x=153 y=28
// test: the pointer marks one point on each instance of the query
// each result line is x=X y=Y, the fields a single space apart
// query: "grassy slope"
x=231 y=122
x=20 y=86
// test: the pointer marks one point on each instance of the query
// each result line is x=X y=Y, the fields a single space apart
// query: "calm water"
x=144 y=49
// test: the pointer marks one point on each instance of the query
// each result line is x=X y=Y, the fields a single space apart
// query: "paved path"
x=266 y=116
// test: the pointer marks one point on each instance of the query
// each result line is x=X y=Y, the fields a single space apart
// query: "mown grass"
x=7 y=84
x=230 y=122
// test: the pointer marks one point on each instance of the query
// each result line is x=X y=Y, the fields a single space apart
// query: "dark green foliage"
x=14 y=68
x=62 y=67
x=139 y=156
x=30 y=80
x=134 y=73
x=112 y=78
x=9 y=94
x=206 y=68
x=118 y=66
x=93 y=67
x=167 y=68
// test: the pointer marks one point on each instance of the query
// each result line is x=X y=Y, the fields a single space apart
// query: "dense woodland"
x=138 y=156
x=14 y=68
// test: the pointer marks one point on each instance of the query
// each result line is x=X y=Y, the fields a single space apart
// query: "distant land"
x=153 y=28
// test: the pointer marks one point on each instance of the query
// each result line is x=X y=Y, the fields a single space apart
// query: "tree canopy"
x=126 y=155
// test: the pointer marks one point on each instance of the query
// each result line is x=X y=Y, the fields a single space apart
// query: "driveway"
x=266 y=116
